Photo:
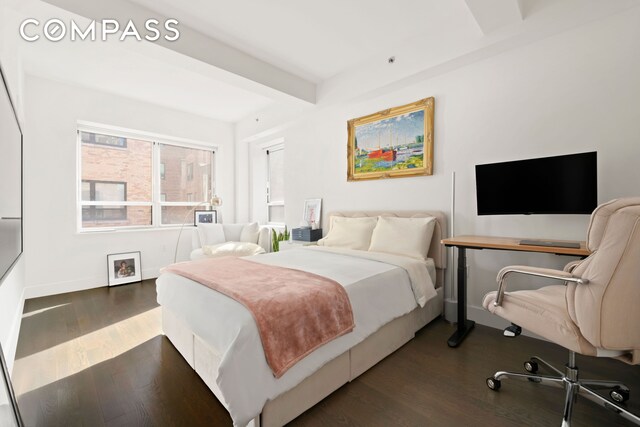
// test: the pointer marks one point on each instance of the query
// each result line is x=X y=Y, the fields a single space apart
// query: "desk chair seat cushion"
x=544 y=312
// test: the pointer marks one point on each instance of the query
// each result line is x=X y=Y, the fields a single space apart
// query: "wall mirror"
x=10 y=182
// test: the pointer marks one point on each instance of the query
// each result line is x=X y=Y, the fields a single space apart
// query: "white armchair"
x=243 y=239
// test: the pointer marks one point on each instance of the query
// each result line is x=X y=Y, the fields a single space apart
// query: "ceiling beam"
x=245 y=70
x=491 y=15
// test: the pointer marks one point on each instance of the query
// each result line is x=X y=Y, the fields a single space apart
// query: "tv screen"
x=549 y=185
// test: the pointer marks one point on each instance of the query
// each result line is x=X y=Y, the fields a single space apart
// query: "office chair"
x=595 y=312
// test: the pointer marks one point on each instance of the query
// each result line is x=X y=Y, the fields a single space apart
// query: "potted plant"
x=277 y=237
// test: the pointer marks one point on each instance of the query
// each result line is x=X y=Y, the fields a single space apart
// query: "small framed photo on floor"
x=205 y=217
x=124 y=268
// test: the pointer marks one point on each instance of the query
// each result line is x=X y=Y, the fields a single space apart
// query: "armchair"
x=594 y=311
x=209 y=237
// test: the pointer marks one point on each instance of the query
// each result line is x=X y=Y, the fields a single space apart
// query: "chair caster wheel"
x=531 y=367
x=619 y=395
x=493 y=383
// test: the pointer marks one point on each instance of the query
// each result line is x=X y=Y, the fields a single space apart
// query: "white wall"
x=573 y=92
x=59 y=259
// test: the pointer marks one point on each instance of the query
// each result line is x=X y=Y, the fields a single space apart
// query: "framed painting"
x=312 y=210
x=394 y=143
x=124 y=268
x=205 y=217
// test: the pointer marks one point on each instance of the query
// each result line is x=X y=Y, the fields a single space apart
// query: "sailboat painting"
x=393 y=143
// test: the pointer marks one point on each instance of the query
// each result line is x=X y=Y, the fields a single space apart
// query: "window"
x=275 y=184
x=96 y=191
x=188 y=185
x=129 y=182
x=190 y=172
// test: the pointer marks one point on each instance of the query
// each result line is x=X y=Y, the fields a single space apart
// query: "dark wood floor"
x=97 y=358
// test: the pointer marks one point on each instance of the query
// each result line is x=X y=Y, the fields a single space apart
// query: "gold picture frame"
x=393 y=143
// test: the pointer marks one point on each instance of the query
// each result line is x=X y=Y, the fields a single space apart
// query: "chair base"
x=619 y=393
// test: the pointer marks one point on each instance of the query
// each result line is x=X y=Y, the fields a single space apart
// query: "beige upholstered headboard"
x=437 y=251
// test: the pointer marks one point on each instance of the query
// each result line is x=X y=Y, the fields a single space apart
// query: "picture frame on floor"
x=205 y=217
x=9 y=412
x=124 y=268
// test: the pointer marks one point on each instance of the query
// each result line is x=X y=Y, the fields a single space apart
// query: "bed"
x=214 y=333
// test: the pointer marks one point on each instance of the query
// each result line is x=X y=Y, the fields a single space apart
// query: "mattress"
x=379 y=292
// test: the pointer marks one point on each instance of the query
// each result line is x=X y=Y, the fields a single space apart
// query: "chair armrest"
x=547 y=273
x=572 y=265
x=264 y=238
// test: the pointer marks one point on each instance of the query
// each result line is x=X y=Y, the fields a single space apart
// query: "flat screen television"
x=548 y=185
x=10 y=182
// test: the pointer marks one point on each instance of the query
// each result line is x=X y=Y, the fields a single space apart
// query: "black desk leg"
x=464 y=325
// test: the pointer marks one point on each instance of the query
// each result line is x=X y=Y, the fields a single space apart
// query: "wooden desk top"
x=512 y=244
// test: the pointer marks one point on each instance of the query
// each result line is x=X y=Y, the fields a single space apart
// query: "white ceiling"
x=237 y=58
x=317 y=40
x=122 y=70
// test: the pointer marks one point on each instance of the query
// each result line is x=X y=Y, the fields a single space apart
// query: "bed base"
x=344 y=368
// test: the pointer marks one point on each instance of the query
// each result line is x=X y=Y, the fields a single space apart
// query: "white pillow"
x=250 y=233
x=233 y=232
x=211 y=234
x=403 y=236
x=232 y=249
x=351 y=233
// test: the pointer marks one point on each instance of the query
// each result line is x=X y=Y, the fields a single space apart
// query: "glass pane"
x=276 y=176
x=96 y=138
x=178 y=215
x=127 y=163
x=96 y=191
x=187 y=173
x=115 y=216
x=276 y=214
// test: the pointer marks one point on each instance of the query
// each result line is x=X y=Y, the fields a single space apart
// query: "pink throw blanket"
x=296 y=312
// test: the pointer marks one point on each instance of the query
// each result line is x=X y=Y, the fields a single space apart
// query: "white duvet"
x=380 y=289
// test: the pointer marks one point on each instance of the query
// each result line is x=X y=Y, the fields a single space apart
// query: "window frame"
x=155 y=203
x=93 y=208
x=276 y=146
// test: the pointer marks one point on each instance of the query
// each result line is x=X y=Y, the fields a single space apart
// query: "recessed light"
x=391 y=59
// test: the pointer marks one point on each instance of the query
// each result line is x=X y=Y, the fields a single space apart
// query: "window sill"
x=131 y=230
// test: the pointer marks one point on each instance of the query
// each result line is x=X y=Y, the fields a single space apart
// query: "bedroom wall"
x=573 y=92
x=59 y=259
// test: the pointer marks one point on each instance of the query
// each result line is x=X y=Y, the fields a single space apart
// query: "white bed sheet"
x=379 y=292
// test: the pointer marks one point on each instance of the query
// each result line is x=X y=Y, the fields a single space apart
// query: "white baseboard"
x=55 y=288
